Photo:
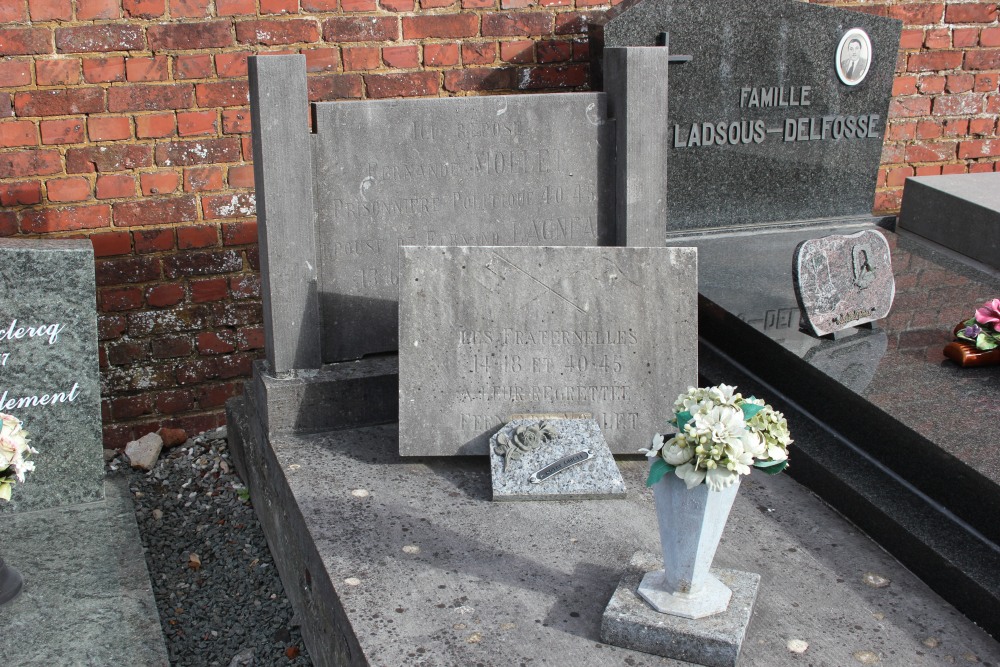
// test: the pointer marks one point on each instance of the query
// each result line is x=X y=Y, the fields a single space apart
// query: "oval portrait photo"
x=854 y=56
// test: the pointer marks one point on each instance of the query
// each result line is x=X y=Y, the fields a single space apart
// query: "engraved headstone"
x=553 y=459
x=778 y=116
x=844 y=281
x=49 y=377
x=487 y=332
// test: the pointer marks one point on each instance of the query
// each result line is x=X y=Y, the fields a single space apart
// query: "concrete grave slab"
x=487 y=332
x=844 y=281
x=49 y=374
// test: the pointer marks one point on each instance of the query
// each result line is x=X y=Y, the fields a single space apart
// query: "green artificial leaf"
x=984 y=341
x=657 y=471
x=772 y=467
x=750 y=409
x=682 y=419
x=243 y=494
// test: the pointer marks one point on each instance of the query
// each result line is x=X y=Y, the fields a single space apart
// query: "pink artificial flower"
x=989 y=314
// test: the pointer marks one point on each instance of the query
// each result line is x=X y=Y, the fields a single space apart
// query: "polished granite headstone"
x=572 y=462
x=49 y=368
x=763 y=129
x=843 y=281
x=960 y=211
x=487 y=332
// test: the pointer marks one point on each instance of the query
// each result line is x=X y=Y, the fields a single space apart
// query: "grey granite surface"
x=87 y=599
x=49 y=368
x=392 y=561
x=787 y=162
x=595 y=478
x=714 y=641
x=486 y=332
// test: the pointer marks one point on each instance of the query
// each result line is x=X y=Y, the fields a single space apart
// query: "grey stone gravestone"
x=488 y=332
x=844 y=281
x=572 y=462
x=765 y=125
x=961 y=212
x=49 y=368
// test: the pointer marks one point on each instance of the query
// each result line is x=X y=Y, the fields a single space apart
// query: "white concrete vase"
x=691 y=523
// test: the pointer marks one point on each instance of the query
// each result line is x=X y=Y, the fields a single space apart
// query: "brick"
x=401 y=57
x=101 y=38
x=581 y=50
x=904 y=85
x=982 y=126
x=20 y=193
x=144 y=9
x=241 y=176
x=554 y=52
x=15 y=73
x=29 y=163
x=235 y=121
x=361 y=58
x=8 y=223
x=319 y=5
x=120 y=298
x=146 y=69
x=929 y=129
x=937 y=38
x=111 y=243
x=229 y=314
x=931 y=151
x=908 y=107
x=214 y=289
x=479 y=79
x=566 y=76
x=150 y=97
x=571 y=23
x=479 y=53
x=25 y=41
x=161 y=296
x=930 y=61
x=129 y=407
x=12 y=12
x=66 y=219
x=59 y=102
x=235 y=365
x=198 y=151
x=191 y=123
x=202 y=263
x=18 y=133
x=478 y=4
x=322 y=59
x=198 y=66
x=958 y=105
x=361 y=29
x=153 y=240
x=918 y=14
x=982 y=59
x=411 y=84
x=518 y=51
x=201 y=179
x=931 y=84
x=177 y=400
x=397 y=5
x=223 y=94
x=247 y=287
x=960 y=83
x=981 y=167
x=334 y=86
x=279 y=6
x=108 y=128
x=50 y=10
x=246 y=149
x=965 y=37
x=184 y=36
x=237 y=205
x=89 y=10
x=104 y=70
x=155 y=211
x=971 y=12
x=63 y=131
x=190 y=8
x=197 y=236
x=270 y=32
x=440 y=25
x=155 y=125
x=231 y=64
x=978 y=148
x=67 y=189
x=911 y=38
x=239 y=233
x=57 y=71
x=158 y=182
x=115 y=186
x=986 y=82
x=235 y=7
x=439 y=4
x=502 y=25
x=440 y=55
x=110 y=326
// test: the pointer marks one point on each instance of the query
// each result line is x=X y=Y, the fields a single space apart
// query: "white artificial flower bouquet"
x=721 y=436
x=14 y=453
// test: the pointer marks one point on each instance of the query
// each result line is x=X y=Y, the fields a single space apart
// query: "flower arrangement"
x=14 y=453
x=983 y=329
x=721 y=435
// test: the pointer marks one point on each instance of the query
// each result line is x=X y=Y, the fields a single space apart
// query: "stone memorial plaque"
x=49 y=368
x=780 y=113
x=524 y=170
x=487 y=332
x=553 y=459
x=843 y=281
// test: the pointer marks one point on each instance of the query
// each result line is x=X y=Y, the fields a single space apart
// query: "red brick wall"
x=126 y=121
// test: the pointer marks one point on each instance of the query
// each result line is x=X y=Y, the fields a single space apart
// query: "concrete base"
x=714 y=641
x=712 y=599
x=87 y=599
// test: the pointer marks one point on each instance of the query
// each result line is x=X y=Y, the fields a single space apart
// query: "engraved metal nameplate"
x=562 y=464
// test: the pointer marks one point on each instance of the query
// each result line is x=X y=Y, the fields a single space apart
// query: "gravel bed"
x=217 y=589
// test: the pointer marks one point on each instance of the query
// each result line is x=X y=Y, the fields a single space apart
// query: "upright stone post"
x=284 y=192
x=635 y=80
